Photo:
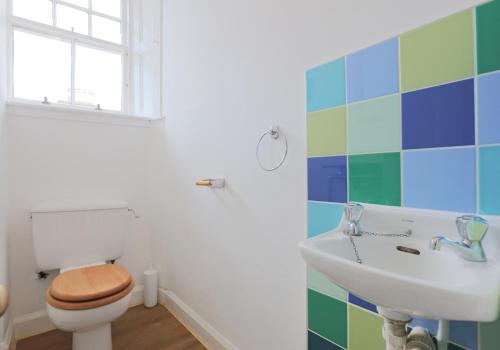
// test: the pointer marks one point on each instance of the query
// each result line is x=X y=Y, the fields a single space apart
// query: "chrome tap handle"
x=353 y=212
x=472 y=228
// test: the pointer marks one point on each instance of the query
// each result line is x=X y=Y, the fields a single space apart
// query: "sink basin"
x=417 y=281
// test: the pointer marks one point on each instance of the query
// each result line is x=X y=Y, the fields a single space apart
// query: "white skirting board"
x=201 y=329
x=38 y=322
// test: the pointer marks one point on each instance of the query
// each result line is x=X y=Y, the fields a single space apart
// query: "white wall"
x=232 y=68
x=57 y=159
x=3 y=169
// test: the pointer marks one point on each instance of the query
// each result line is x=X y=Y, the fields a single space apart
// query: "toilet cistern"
x=472 y=229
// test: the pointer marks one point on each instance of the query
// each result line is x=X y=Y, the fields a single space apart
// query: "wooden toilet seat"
x=89 y=287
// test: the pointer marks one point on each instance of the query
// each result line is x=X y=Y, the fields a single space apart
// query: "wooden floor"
x=138 y=329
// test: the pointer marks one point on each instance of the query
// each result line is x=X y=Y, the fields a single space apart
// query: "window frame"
x=22 y=24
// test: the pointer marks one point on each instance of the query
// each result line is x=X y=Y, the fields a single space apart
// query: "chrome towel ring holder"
x=275 y=133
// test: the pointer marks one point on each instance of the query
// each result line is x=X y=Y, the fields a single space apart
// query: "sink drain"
x=408 y=250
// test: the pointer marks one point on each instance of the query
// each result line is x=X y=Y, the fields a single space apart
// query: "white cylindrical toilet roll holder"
x=150 y=288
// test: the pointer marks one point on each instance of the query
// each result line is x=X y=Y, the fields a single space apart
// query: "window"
x=72 y=52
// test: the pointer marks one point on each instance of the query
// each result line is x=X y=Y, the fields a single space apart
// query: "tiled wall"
x=413 y=121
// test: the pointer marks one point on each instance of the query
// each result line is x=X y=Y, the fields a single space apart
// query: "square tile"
x=318 y=282
x=326 y=132
x=488 y=32
x=440 y=179
x=489 y=175
x=315 y=342
x=328 y=317
x=489 y=335
x=488 y=108
x=438 y=53
x=362 y=303
x=464 y=334
x=327 y=179
x=373 y=71
x=323 y=217
x=365 y=330
x=374 y=126
x=441 y=116
x=375 y=178
x=326 y=86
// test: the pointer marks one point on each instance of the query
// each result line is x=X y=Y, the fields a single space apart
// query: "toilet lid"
x=90 y=283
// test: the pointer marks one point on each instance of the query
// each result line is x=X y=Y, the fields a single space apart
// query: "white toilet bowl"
x=91 y=328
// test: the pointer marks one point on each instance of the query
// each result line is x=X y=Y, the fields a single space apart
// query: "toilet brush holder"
x=150 y=288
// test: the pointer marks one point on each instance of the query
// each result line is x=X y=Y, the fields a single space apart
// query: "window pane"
x=108 y=7
x=42 y=67
x=81 y=3
x=71 y=19
x=106 y=29
x=35 y=10
x=98 y=78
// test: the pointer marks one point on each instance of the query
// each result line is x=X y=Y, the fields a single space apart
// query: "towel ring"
x=274 y=133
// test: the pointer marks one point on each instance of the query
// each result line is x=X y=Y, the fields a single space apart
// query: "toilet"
x=82 y=240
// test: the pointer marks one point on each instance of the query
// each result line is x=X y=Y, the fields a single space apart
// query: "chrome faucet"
x=353 y=213
x=472 y=229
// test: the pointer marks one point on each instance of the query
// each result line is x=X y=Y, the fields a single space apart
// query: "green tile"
x=374 y=126
x=488 y=32
x=317 y=281
x=365 y=330
x=375 y=178
x=489 y=335
x=437 y=53
x=326 y=132
x=327 y=317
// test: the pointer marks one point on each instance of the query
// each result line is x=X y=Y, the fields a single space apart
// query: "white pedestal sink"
x=432 y=284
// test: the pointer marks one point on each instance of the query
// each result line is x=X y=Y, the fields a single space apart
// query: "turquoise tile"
x=323 y=217
x=318 y=282
x=489 y=180
x=374 y=126
x=441 y=179
x=373 y=71
x=326 y=85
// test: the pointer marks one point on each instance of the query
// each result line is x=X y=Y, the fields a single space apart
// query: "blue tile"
x=464 y=334
x=323 y=217
x=489 y=175
x=488 y=107
x=373 y=72
x=327 y=179
x=315 y=342
x=326 y=86
x=440 y=116
x=362 y=303
x=431 y=325
x=443 y=179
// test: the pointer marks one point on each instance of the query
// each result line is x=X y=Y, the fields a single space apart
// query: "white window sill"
x=76 y=114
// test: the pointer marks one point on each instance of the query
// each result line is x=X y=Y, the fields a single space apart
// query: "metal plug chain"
x=404 y=235
x=355 y=248
x=358 y=259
